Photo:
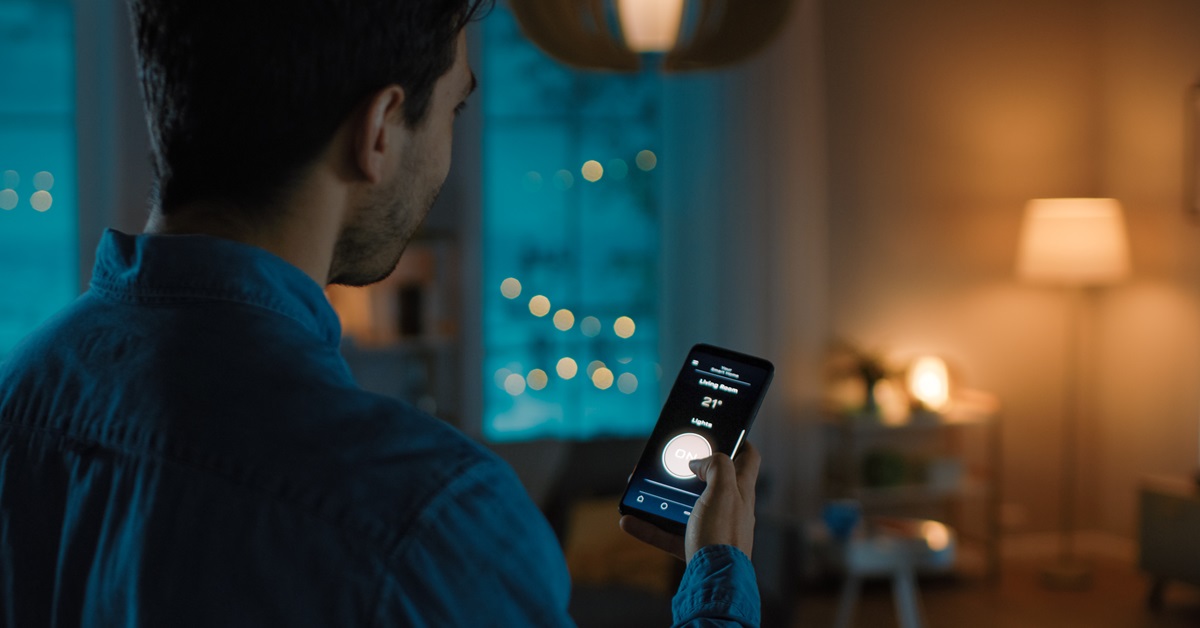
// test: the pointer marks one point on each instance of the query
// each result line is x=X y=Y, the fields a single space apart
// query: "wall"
x=944 y=118
x=1149 y=399
x=745 y=237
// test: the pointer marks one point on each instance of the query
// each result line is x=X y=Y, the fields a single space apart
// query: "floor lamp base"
x=1067 y=575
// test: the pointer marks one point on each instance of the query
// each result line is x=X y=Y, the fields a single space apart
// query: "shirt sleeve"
x=481 y=554
x=719 y=589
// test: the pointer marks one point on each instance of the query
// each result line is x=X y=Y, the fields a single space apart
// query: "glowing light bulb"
x=539 y=306
x=510 y=288
x=929 y=382
x=937 y=535
x=567 y=368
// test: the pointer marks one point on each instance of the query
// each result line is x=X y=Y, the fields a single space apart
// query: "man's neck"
x=303 y=233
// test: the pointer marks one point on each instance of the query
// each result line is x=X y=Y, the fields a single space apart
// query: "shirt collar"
x=152 y=267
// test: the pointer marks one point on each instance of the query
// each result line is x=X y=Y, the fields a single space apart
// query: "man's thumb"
x=700 y=467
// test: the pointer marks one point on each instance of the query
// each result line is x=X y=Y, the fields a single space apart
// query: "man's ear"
x=381 y=124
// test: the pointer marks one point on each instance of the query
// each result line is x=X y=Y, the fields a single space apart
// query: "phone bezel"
x=671 y=525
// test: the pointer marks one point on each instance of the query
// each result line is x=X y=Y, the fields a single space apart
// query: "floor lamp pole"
x=1070 y=572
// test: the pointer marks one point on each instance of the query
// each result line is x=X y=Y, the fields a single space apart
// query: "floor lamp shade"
x=1073 y=242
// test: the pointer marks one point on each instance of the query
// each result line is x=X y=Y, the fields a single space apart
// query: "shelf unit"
x=943 y=466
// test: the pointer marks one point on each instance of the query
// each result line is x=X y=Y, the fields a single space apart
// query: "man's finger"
x=651 y=534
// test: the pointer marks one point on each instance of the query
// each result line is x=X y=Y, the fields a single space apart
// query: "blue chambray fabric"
x=184 y=446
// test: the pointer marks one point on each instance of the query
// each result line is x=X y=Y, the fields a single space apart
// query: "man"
x=185 y=446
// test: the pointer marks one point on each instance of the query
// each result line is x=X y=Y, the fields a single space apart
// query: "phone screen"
x=709 y=410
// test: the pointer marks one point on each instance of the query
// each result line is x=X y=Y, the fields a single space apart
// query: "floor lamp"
x=1080 y=245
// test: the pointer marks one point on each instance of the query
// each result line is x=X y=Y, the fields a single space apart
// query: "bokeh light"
x=593 y=366
x=8 y=199
x=567 y=368
x=41 y=200
x=564 y=320
x=617 y=169
x=646 y=160
x=627 y=383
x=500 y=376
x=590 y=326
x=602 y=378
x=510 y=288
x=514 y=384
x=11 y=179
x=43 y=180
x=592 y=170
x=537 y=379
x=539 y=306
x=624 y=327
x=563 y=179
x=532 y=181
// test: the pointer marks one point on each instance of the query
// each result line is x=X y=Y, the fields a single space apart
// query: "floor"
x=1117 y=598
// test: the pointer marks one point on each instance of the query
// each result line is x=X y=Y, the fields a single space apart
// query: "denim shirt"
x=185 y=446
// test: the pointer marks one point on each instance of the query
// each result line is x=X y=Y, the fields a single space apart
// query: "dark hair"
x=241 y=95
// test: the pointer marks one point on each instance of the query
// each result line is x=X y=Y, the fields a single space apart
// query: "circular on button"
x=683 y=449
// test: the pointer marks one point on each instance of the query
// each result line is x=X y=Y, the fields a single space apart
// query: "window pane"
x=571 y=218
x=38 y=252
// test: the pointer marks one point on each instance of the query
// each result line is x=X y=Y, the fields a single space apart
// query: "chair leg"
x=849 y=599
x=906 y=597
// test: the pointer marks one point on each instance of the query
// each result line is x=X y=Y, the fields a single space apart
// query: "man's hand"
x=724 y=514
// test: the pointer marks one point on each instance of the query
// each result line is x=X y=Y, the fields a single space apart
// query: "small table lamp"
x=1080 y=245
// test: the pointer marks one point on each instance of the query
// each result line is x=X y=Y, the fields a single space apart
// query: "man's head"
x=242 y=98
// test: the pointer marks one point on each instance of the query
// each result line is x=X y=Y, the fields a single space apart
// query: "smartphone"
x=709 y=409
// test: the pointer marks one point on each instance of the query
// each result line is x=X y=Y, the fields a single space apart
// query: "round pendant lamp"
x=615 y=35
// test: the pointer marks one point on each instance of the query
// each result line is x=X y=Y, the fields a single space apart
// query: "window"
x=570 y=236
x=38 y=252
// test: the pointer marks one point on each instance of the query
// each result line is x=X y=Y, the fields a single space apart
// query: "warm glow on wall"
x=650 y=25
x=929 y=382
